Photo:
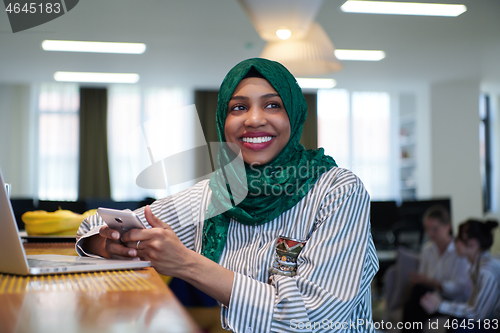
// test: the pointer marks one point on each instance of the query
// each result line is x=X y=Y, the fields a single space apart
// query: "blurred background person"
x=473 y=242
x=441 y=269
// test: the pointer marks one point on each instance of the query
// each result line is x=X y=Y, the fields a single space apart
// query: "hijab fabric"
x=272 y=188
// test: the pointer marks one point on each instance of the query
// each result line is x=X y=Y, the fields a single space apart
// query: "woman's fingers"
x=117 y=250
x=160 y=246
x=136 y=245
x=430 y=302
x=113 y=246
x=424 y=302
x=109 y=233
x=156 y=244
x=146 y=239
x=149 y=242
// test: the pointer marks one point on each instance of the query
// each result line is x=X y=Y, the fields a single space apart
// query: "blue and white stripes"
x=334 y=269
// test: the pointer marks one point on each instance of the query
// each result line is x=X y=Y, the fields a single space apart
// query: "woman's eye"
x=237 y=108
x=273 y=106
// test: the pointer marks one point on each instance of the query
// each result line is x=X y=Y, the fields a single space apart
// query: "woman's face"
x=466 y=247
x=257 y=121
x=436 y=231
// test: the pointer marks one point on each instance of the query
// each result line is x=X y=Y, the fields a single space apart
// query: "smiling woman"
x=257 y=121
x=296 y=248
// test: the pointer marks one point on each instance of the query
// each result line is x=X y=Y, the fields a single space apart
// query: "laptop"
x=15 y=261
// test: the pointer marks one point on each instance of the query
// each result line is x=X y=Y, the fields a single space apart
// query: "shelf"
x=406 y=141
x=407 y=145
x=407 y=163
x=407 y=185
x=407 y=119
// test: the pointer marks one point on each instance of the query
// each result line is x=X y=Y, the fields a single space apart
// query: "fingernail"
x=115 y=235
x=136 y=259
x=132 y=253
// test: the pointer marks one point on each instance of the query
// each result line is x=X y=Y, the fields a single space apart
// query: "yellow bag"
x=58 y=223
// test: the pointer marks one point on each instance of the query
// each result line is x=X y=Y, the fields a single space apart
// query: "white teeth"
x=260 y=139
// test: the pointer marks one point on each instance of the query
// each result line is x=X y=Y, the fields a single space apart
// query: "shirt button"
x=248 y=330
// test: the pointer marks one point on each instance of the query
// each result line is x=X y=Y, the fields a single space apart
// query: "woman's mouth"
x=257 y=142
x=260 y=139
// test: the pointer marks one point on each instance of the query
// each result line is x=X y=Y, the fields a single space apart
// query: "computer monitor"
x=409 y=231
x=383 y=215
x=413 y=211
x=394 y=225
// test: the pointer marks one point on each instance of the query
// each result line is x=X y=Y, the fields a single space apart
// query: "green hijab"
x=254 y=195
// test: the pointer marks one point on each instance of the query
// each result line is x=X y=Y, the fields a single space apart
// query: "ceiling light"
x=316 y=83
x=310 y=56
x=96 y=77
x=402 y=8
x=96 y=47
x=283 y=33
x=360 y=55
x=269 y=16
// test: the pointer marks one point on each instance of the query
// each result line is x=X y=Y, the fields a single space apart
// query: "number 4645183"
x=33 y=8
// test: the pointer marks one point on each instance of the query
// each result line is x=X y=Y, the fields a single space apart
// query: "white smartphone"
x=120 y=220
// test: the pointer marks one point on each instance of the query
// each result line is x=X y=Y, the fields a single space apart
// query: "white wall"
x=424 y=139
x=15 y=129
x=454 y=149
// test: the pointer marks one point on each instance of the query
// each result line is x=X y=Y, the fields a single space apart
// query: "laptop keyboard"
x=50 y=263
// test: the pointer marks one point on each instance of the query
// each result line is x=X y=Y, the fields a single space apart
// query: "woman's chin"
x=256 y=161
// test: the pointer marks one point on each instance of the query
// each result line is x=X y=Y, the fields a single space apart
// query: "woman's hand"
x=107 y=244
x=160 y=245
x=430 y=302
x=169 y=256
x=113 y=247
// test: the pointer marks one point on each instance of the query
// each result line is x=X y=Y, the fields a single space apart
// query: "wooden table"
x=112 y=301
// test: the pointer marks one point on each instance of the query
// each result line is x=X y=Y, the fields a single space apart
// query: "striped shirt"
x=484 y=301
x=448 y=268
x=331 y=291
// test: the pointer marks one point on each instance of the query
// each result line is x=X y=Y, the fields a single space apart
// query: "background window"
x=354 y=128
x=58 y=141
x=130 y=108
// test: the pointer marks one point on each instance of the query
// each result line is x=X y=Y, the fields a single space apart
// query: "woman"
x=440 y=269
x=230 y=251
x=483 y=307
x=440 y=266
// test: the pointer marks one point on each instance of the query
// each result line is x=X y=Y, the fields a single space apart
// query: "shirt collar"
x=449 y=248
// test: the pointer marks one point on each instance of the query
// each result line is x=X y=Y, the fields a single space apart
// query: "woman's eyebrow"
x=261 y=97
x=270 y=95
x=238 y=97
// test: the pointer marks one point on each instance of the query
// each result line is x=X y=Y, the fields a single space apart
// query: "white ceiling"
x=194 y=43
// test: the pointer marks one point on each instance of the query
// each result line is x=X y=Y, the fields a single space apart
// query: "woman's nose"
x=256 y=117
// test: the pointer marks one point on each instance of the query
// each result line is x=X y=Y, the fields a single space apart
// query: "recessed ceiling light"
x=283 y=33
x=402 y=8
x=360 y=55
x=96 y=77
x=307 y=83
x=96 y=47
